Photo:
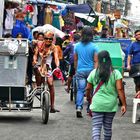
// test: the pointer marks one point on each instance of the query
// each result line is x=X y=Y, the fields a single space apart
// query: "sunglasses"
x=137 y=34
x=46 y=38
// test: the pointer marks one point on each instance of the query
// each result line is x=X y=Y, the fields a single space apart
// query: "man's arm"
x=75 y=61
x=35 y=56
x=56 y=57
x=129 y=58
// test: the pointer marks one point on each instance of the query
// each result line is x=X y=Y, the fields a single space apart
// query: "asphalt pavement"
x=64 y=125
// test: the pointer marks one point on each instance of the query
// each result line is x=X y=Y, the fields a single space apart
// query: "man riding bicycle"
x=43 y=56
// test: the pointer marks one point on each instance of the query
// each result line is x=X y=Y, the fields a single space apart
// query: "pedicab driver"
x=47 y=50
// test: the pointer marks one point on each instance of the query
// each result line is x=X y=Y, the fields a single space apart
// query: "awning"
x=80 y=8
x=16 y=1
x=84 y=16
x=90 y=20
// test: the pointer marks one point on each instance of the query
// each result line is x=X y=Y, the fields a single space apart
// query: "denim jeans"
x=81 y=78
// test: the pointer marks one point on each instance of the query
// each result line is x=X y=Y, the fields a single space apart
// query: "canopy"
x=16 y=1
x=80 y=8
x=62 y=5
x=85 y=17
x=90 y=20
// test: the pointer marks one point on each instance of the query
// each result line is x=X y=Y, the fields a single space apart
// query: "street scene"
x=69 y=70
x=64 y=125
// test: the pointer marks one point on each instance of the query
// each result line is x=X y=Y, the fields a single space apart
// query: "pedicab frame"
x=14 y=93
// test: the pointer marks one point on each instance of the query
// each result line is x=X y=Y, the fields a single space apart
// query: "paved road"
x=65 y=125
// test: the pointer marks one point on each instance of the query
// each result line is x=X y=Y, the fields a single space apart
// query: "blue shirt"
x=20 y=27
x=135 y=52
x=85 y=53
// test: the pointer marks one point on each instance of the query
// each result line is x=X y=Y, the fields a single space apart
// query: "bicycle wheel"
x=45 y=107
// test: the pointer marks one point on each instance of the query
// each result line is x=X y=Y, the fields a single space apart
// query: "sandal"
x=52 y=110
x=66 y=89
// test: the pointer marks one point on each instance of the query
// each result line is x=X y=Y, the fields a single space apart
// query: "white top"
x=9 y=20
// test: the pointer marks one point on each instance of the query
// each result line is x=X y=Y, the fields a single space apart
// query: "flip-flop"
x=66 y=90
x=54 y=110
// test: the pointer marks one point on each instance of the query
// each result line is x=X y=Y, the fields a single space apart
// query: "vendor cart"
x=14 y=93
x=114 y=49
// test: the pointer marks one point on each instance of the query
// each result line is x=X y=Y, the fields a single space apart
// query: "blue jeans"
x=81 y=78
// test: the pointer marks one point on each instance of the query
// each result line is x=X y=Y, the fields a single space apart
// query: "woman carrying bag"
x=107 y=83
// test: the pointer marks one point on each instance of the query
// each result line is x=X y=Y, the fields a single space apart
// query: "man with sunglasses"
x=134 y=59
x=48 y=49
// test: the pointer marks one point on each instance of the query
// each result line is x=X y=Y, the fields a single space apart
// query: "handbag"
x=95 y=91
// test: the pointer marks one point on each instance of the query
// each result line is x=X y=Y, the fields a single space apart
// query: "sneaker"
x=79 y=114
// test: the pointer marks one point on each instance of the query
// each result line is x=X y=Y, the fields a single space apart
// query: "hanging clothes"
x=9 y=20
x=29 y=8
x=56 y=20
x=20 y=27
x=48 y=16
x=69 y=20
x=40 y=16
x=35 y=13
x=28 y=18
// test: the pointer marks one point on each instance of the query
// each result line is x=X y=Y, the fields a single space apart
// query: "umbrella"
x=48 y=27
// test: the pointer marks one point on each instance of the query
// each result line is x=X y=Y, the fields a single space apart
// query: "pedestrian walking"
x=69 y=51
x=134 y=59
x=85 y=57
x=107 y=85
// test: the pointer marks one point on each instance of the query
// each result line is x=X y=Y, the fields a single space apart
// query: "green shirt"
x=105 y=99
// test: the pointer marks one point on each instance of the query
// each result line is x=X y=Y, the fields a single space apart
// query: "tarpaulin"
x=80 y=8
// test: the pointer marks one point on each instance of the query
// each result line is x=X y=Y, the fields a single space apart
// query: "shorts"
x=137 y=81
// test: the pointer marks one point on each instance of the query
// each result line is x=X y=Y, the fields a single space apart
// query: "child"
x=104 y=102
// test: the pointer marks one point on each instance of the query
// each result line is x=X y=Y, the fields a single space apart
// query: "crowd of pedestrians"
x=76 y=55
x=95 y=77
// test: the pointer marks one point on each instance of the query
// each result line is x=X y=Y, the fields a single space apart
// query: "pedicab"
x=14 y=93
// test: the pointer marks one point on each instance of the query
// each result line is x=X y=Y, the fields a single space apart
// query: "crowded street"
x=69 y=70
x=64 y=125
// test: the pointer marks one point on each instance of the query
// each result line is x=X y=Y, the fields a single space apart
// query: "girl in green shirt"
x=104 y=102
